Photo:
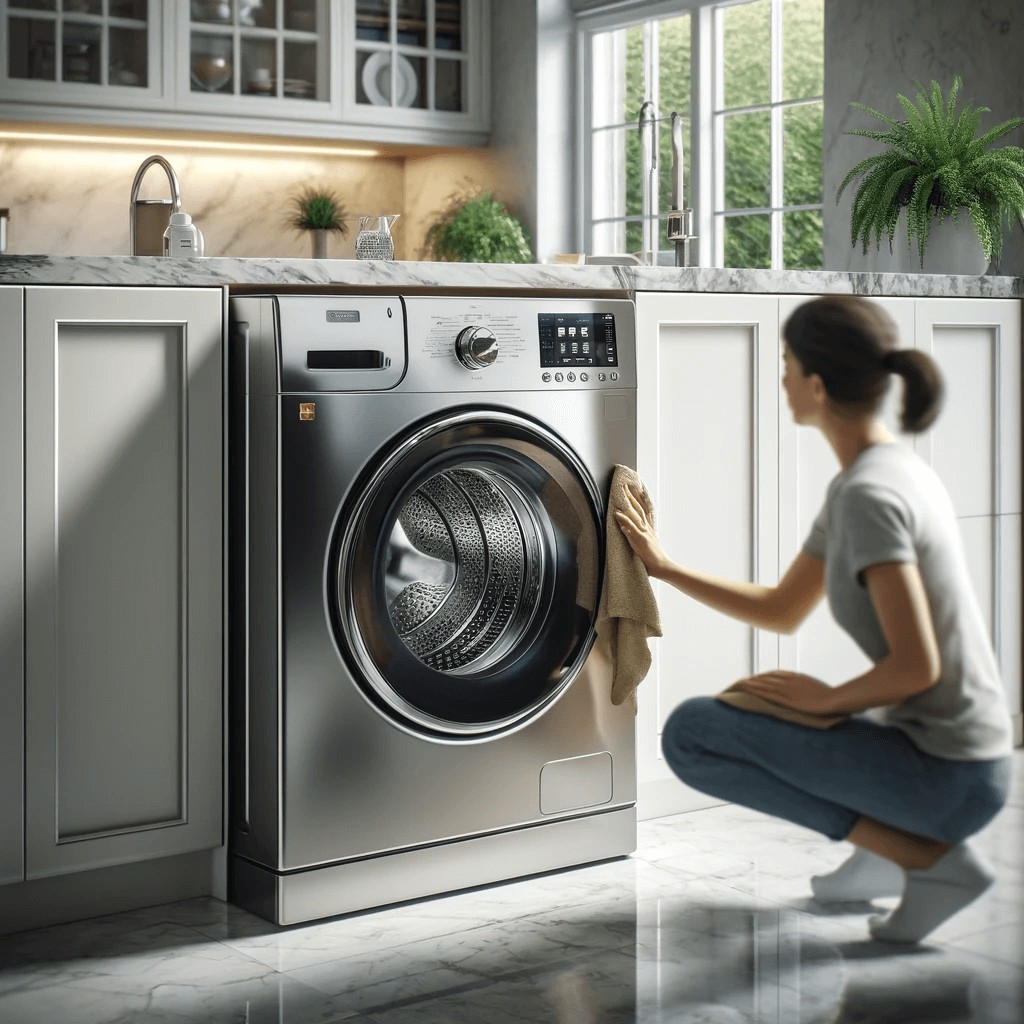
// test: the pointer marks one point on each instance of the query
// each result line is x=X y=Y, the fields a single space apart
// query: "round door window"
x=468 y=574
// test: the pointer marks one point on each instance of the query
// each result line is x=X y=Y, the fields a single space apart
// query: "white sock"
x=863 y=876
x=934 y=894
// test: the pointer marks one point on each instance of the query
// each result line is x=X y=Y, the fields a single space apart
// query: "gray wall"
x=533 y=111
x=875 y=49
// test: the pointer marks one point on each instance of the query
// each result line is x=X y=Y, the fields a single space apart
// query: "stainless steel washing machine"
x=417 y=541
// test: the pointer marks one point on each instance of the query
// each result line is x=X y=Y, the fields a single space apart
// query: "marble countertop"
x=480 y=277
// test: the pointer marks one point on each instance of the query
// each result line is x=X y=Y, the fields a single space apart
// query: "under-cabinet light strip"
x=250 y=147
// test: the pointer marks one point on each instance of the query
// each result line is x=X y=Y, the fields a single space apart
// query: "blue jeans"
x=825 y=779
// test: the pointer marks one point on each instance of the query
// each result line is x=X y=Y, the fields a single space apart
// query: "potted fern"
x=935 y=169
x=319 y=211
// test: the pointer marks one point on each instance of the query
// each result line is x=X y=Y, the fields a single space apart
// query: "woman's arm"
x=778 y=609
x=911 y=666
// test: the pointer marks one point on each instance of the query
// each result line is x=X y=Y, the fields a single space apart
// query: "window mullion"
x=775 y=154
x=718 y=135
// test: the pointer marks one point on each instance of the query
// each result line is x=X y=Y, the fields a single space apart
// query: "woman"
x=906 y=791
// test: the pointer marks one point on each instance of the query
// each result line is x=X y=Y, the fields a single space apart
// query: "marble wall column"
x=875 y=49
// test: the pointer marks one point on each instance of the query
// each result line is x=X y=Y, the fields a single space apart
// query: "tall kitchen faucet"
x=680 y=217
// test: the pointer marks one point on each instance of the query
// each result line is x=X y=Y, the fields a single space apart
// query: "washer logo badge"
x=344 y=316
x=307 y=410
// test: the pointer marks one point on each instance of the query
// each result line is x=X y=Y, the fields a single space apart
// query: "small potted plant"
x=936 y=168
x=318 y=210
x=479 y=230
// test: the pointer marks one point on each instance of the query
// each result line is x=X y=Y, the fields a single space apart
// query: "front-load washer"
x=418 y=490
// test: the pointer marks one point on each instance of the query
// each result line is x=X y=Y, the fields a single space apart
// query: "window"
x=760 y=204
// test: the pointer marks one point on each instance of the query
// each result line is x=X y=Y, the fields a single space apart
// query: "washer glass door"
x=468 y=574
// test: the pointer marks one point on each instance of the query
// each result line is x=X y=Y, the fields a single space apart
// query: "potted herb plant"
x=318 y=210
x=936 y=168
x=479 y=230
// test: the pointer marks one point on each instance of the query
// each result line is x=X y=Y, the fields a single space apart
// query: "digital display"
x=577 y=339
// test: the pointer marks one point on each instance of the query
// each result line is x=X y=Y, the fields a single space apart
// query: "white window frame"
x=705 y=189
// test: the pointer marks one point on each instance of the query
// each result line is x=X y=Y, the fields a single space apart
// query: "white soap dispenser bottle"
x=182 y=237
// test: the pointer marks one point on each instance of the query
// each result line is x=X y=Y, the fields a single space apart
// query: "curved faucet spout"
x=139 y=175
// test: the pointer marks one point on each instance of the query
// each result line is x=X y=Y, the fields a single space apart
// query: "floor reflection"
x=710 y=922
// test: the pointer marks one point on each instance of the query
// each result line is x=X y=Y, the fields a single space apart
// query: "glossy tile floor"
x=710 y=922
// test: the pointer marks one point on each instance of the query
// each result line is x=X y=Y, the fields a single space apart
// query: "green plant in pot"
x=479 y=230
x=318 y=210
x=936 y=168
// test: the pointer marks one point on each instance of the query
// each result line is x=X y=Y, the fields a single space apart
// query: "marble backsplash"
x=71 y=197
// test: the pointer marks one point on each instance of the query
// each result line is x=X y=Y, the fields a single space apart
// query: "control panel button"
x=602 y=376
x=546 y=377
x=558 y=378
x=584 y=377
x=615 y=376
x=570 y=376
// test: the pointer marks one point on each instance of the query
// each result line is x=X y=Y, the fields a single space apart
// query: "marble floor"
x=710 y=922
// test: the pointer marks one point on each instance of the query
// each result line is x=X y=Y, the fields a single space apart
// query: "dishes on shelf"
x=211 y=73
x=376 y=79
x=210 y=10
x=297 y=88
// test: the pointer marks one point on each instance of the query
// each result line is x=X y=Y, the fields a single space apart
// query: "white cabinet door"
x=123 y=557
x=807 y=463
x=707 y=422
x=12 y=586
x=975 y=447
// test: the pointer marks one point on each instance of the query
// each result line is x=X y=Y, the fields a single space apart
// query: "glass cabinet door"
x=84 y=42
x=411 y=53
x=274 y=49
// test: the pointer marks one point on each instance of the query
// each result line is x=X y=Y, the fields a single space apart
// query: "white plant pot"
x=949 y=250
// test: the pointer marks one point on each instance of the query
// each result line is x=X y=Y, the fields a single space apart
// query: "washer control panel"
x=577 y=339
x=469 y=343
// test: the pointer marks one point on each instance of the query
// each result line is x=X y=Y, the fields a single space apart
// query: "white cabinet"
x=737 y=484
x=123 y=575
x=414 y=71
x=707 y=423
x=12 y=587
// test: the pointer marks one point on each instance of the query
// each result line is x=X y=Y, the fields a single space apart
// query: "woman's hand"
x=792 y=690
x=640 y=534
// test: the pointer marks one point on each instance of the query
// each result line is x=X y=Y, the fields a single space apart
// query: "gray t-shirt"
x=888 y=505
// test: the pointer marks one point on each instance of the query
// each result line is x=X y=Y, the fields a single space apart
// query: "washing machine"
x=418 y=488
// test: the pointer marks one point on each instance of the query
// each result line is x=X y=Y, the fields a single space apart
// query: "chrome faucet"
x=680 y=217
x=648 y=176
x=150 y=217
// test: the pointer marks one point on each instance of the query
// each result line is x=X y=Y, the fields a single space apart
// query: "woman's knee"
x=688 y=728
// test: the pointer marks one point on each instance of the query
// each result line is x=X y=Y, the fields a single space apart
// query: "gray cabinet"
x=12 y=591
x=123 y=575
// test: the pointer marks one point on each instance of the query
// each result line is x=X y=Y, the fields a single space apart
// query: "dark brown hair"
x=852 y=344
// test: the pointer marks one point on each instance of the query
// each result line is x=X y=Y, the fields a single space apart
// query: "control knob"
x=476 y=348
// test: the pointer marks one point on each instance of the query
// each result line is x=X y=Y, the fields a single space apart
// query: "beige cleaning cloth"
x=751 y=702
x=628 y=613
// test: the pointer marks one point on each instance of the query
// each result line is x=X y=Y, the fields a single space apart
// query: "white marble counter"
x=480 y=277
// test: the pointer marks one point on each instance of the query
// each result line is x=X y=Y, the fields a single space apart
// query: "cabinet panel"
x=123 y=557
x=1011 y=608
x=807 y=464
x=12 y=587
x=707 y=452
x=975 y=445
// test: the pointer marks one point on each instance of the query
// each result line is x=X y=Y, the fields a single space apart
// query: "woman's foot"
x=863 y=876
x=932 y=895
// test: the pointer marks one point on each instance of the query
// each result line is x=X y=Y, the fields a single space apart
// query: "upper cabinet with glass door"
x=419 y=60
x=265 y=58
x=81 y=52
x=412 y=71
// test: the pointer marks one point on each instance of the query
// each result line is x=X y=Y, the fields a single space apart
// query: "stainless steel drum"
x=469 y=572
